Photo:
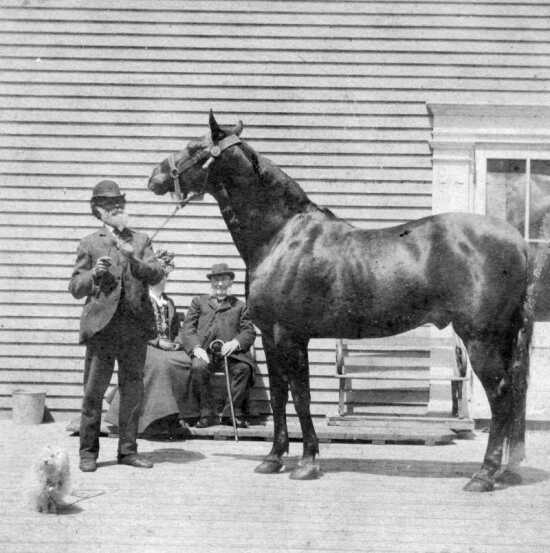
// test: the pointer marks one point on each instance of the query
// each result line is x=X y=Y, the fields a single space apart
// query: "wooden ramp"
x=379 y=430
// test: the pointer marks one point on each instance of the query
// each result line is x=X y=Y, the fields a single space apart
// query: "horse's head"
x=188 y=171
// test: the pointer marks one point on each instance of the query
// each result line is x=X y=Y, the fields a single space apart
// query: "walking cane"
x=215 y=347
x=230 y=397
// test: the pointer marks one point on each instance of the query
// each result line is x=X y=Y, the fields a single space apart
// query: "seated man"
x=219 y=316
x=167 y=400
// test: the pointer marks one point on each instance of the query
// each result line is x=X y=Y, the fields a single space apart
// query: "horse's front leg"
x=308 y=468
x=278 y=388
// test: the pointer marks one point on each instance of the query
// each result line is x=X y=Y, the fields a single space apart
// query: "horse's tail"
x=519 y=366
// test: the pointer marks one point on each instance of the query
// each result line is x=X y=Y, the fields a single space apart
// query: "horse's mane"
x=271 y=177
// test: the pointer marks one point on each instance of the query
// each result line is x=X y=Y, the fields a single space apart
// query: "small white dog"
x=49 y=481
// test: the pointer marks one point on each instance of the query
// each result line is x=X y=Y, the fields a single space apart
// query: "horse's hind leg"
x=308 y=469
x=278 y=386
x=489 y=360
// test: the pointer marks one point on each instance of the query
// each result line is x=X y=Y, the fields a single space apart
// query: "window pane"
x=539 y=205
x=506 y=180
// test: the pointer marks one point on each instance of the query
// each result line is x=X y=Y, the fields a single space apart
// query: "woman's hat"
x=219 y=269
x=107 y=189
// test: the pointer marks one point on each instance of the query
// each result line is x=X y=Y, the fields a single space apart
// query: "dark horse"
x=311 y=274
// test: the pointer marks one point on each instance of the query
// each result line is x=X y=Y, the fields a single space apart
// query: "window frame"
x=520 y=151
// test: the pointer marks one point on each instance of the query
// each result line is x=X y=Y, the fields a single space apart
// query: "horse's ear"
x=238 y=128
x=215 y=130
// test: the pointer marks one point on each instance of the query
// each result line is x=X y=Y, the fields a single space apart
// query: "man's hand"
x=201 y=354
x=125 y=248
x=101 y=267
x=167 y=345
x=229 y=347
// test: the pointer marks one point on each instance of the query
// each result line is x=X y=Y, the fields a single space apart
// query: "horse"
x=311 y=274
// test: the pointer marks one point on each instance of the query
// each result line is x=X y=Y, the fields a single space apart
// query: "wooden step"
x=403 y=423
x=375 y=434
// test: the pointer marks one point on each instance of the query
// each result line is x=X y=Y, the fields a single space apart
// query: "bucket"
x=28 y=407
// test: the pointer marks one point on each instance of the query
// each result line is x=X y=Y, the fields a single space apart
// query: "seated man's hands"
x=229 y=347
x=167 y=344
x=201 y=354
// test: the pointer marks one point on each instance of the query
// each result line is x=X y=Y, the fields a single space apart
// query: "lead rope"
x=176 y=209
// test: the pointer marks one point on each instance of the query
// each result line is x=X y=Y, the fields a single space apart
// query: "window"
x=516 y=188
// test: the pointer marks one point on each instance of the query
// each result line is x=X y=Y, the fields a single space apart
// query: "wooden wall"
x=333 y=92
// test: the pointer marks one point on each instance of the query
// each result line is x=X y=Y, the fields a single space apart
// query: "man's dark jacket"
x=207 y=321
x=102 y=297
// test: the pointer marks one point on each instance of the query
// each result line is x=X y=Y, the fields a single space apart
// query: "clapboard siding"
x=333 y=92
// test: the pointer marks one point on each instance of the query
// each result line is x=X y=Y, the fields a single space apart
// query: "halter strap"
x=215 y=152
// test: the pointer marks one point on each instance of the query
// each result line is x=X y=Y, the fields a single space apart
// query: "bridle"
x=177 y=170
x=214 y=152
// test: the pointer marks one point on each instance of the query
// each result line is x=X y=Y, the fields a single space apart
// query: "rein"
x=176 y=171
x=176 y=209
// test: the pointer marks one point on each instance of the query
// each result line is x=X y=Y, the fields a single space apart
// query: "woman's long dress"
x=166 y=376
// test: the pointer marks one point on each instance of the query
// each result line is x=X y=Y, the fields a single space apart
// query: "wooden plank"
x=364 y=17
x=301 y=58
x=246 y=67
x=181 y=132
x=333 y=33
x=407 y=41
x=267 y=57
x=471 y=7
x=163 y=118
x=282 y=82
x=162 y=146
x=406 y=425
x=243 y=108
x=273 y=95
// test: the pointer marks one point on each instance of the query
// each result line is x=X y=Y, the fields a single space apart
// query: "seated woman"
x=167 y=401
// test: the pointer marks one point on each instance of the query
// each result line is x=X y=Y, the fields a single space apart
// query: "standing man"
x=219 y=316
x=113 y=269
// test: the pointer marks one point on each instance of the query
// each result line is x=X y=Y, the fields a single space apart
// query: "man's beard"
x=116 y=220
x=222 y=294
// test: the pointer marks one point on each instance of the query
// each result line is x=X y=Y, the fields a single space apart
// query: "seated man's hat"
x=219 y=269
x=107 y=189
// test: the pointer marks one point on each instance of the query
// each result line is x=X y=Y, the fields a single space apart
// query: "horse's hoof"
x=308 y=471
x=508 y=478
x=269 y=467
x=479 y=483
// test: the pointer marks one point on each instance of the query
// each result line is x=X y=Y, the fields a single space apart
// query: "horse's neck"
x=256 y=206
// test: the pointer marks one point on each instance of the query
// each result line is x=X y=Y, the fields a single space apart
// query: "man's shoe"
x=135 y=461
x=179 y=431
x=88 y=465
x=191 y=421
x=205 y=422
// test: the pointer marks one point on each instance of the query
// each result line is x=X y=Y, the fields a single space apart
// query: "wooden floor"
x=202 y=495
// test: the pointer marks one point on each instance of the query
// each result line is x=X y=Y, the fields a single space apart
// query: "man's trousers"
x=240 y=378
x=121 y=340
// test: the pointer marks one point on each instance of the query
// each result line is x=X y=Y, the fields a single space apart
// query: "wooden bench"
x=403 y=375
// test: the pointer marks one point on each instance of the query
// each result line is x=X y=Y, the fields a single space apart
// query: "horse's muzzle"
x=155 y=183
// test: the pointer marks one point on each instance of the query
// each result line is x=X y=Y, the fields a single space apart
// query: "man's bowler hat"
x=107 y=189
x=219 y=269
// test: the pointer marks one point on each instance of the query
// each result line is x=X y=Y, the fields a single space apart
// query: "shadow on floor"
x=172 y=455
x=404 y=467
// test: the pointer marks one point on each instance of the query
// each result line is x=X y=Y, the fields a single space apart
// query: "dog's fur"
x=49 y=481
